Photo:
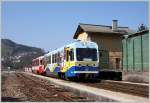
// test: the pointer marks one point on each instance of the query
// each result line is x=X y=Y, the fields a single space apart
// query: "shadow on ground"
x=10 y=99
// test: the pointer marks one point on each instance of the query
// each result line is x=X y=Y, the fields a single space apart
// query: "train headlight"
x=79 y=64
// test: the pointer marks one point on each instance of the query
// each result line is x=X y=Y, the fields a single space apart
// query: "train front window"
x=86 y=54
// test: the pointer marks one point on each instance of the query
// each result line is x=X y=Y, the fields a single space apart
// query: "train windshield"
x=86 y=54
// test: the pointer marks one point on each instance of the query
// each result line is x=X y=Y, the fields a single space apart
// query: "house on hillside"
x=109 y=40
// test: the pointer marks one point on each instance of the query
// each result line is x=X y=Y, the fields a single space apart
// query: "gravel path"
x=11 y=88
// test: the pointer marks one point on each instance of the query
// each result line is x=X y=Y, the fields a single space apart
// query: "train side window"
x=41 y=62
x=38 y=62
x=53 y=58
x=35 y=63
x=71 y=55
x=58 y=57
x=49 y=59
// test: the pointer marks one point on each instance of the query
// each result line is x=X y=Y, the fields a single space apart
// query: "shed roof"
x=100 y=29
x=139 y=33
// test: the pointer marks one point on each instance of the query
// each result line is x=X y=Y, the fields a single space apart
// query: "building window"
x=100 y=54
x=117 y=60
x=88 y=38
x=117 y=63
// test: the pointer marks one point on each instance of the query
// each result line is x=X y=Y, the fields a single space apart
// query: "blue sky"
x=50 y=25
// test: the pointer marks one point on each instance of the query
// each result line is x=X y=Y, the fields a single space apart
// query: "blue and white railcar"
x=78 y=59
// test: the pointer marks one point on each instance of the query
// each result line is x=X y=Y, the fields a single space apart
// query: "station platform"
x=96 y=93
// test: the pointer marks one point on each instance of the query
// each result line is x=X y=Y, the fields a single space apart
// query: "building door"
x=103 y=59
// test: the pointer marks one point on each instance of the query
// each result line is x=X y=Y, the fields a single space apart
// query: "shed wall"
x=136 y=53
x=145 y=45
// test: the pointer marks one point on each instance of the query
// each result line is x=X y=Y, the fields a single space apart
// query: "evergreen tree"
x=142 y=27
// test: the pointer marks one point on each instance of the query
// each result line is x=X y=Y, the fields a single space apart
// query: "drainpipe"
x=126 y=37
x=141 y=54
x=133 y=57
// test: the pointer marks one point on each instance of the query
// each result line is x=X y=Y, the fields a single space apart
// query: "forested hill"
x=16 y=55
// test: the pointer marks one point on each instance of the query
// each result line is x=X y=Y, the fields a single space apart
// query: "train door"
x=41 y=68
x=66 y=63
x=67 y=58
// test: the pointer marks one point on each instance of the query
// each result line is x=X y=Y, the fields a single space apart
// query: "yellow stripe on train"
x=78 y=63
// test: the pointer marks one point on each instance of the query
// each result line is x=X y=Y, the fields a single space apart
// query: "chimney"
x=114 y=24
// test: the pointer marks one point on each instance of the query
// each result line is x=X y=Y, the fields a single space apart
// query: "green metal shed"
x=136 y=51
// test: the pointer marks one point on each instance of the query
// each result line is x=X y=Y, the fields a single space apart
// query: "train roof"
x=76 y=44
x=81 y=44
x=40 y=57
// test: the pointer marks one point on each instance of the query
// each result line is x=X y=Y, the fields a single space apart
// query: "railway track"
x=138 y=89
x=119 y=86
x=85 y=88
x=31 y=83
